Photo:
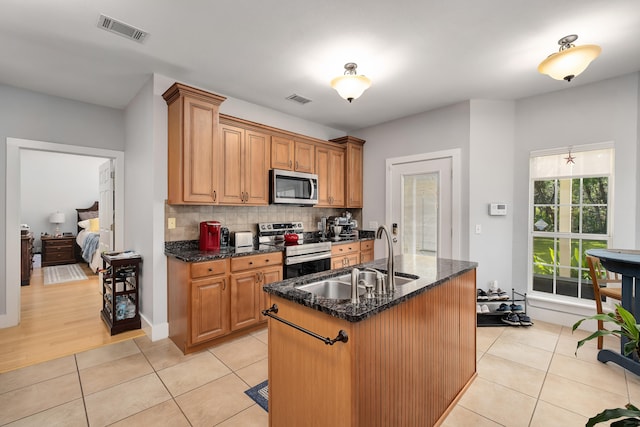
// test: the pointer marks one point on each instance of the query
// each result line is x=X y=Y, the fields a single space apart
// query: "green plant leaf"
x=611 y=414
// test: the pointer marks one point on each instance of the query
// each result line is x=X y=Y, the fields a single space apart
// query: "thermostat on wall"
x=496 y=209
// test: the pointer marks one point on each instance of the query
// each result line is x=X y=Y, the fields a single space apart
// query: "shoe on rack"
x=503 y=308
x=478 y=309
x=525 y=320
x=511 y=319
x=516 y=308
x=502 y=295
x=485 y=308
x=493 y=295
x=481 y=295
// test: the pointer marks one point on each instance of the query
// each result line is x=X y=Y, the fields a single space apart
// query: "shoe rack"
x=494 y=317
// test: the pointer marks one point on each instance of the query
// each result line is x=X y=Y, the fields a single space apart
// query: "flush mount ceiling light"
x=570 y=61
x=350 y=86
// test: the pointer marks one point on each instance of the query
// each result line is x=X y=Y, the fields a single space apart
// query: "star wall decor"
x=570 y=158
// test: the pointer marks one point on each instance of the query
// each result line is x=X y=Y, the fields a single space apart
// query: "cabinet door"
x=354 y=177
x=336 y=178
x=231 y=165
x=281 y=153
x=245 y=300
x=330 y=171
x=256 y=168
x=269 y=275
x=200 y=174
x=209 y=309
x=304 y=157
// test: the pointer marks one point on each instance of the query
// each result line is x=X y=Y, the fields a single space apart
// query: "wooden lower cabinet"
x=367 y=251
x=404 y=366
x=345 y=255
x=249 y=275
x=198 y=302
x=211 y=300
x=209 y=309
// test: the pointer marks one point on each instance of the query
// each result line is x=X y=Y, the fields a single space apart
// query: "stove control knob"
x=269 y=226
x=299 y=225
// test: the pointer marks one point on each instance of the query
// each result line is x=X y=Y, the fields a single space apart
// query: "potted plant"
x=625 y=326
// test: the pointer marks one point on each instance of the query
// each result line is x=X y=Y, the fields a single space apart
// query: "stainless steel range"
x=305 y=256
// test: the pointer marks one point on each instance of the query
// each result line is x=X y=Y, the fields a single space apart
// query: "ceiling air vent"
x=122 y=29
x=299 y=99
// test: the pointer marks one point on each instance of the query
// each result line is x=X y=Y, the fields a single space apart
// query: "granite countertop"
x=432 y=272
x=188 y=251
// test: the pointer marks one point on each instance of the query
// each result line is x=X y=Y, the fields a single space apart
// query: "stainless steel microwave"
x=293 y=188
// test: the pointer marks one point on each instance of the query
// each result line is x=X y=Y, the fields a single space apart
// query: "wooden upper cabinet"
x=282 y=153
x=293 y=155
x=193 y=143
x=245 y=159
x=330 y=168
x=305 y=155
x=354 y=161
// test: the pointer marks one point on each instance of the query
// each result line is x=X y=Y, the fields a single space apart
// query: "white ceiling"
x=420 y=54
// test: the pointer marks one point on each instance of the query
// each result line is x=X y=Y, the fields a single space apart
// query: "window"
x=570 y=213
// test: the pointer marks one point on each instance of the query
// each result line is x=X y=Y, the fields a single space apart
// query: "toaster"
x=243 y=239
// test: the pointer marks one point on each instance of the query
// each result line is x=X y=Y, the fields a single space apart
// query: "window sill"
x=558 y=304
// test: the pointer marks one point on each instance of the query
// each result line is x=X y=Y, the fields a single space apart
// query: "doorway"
x=424 y=203
x=12 y=219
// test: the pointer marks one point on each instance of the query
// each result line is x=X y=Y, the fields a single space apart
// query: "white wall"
x=599 y=112
x=35 y=116
x=443 y=129
x=491 y=148
x=53 y=182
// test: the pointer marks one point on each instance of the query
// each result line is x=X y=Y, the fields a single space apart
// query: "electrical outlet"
x=373 y=225
x=171 y=223
x=478 y=229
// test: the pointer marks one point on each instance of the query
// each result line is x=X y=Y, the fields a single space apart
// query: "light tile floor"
x=526 y=377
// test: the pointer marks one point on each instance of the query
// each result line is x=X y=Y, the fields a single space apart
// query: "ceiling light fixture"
x=570 y=61
x=350 y=86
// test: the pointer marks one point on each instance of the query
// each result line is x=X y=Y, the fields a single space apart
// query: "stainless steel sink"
x=331 y=289
x=369 y=278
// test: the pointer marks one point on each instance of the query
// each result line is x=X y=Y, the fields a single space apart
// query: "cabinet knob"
x=296 y=164
x=250 y=262
x=210 y=269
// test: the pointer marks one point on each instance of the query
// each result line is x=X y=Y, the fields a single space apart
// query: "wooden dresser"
x=26 y=258
x=58 y=250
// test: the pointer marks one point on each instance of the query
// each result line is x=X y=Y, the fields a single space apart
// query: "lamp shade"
x=570 y=62
x=350 y=86
x=56 y=218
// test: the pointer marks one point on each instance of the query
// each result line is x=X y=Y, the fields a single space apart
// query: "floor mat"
x=260 y=394
x=63 y=273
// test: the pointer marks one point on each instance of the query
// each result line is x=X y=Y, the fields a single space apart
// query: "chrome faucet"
x=391 y=279
x=380 y=288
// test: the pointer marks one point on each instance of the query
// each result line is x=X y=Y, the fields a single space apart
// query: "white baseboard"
x=154 y=332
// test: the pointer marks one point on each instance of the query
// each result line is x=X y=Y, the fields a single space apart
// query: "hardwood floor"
x=55 y=321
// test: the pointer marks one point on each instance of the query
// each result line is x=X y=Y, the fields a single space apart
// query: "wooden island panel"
x=406 y=365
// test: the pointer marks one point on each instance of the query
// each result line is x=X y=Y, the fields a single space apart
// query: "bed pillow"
x=88 y=215
x=84 y=224
x=94 y=225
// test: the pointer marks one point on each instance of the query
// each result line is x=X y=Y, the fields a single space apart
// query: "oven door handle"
x=298 y=259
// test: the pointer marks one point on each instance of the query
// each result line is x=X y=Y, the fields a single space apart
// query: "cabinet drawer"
x=256 y=261
x=208 y=268
x=366 y=245
x=345 y=248
x=58 y=244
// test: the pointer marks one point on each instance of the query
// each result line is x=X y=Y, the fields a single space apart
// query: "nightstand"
x=58 y=250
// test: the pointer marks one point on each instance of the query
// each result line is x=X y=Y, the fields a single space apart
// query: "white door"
x=106 y=205
x=421 y=206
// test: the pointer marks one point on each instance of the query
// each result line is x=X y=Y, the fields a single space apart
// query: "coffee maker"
x=210 y=235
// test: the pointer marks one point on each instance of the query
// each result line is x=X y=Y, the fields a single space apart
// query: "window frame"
x=577 y=237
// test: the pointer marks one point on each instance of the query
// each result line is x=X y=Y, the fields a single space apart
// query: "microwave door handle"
x=312 y=188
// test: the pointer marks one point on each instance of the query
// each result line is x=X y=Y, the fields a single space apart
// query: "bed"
x=88 y=239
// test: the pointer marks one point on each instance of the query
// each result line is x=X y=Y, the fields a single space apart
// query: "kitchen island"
x=407 y=359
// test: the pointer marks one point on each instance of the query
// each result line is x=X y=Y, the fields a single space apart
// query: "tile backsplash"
x=243 y=218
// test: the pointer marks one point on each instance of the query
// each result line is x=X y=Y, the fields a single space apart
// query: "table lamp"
x=57 y=218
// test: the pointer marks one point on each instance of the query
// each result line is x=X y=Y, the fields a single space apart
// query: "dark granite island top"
x=431 y=271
